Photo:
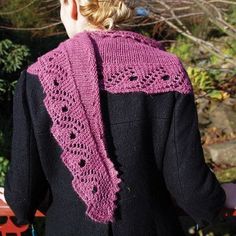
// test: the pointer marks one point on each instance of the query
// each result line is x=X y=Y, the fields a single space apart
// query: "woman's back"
x=150 y=134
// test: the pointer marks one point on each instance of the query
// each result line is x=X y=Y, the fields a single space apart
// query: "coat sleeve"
x=25 y=184
x=188 y=178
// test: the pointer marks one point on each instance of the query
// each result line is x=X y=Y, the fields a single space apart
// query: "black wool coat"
x=153 y=140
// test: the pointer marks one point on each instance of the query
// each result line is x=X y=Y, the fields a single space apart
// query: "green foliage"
x=12 y=55
x=200 y=78
x=228 y=48
x=6 y=88
x=182 y=48
x=214 y=59
x=231 y=16
x=231 y=48
x=226 y=175
x=3 y=169
x=203 y=81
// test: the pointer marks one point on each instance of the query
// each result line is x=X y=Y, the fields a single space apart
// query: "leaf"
x=216 y=94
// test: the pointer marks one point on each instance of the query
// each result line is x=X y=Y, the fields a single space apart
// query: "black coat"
x=154 y=141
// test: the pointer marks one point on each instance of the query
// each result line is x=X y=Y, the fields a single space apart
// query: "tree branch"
x=17 y=10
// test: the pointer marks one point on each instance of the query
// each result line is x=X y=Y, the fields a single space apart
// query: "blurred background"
x=201 y=32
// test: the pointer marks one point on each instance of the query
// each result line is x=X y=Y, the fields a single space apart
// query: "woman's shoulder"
x=28 y=81
x=165 y=74
x=55 y=56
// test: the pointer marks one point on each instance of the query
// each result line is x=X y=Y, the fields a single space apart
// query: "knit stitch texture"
x=72 y=75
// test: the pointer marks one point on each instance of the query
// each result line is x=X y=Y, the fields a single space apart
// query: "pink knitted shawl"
x=127 y=62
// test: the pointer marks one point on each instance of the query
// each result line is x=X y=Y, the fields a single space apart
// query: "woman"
x=106 y=129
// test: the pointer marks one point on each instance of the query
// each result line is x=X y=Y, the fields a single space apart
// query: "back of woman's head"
x=107 y=14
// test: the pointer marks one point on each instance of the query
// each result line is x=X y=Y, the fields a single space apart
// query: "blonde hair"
x=107 y=14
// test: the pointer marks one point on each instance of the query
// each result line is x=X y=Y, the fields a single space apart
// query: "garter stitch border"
x=69 y=77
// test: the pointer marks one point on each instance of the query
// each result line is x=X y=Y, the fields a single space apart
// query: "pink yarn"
x=69 y=74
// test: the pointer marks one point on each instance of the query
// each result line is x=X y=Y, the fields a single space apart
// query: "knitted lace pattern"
x=69 y=75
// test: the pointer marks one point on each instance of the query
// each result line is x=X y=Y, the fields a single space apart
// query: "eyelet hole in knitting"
x=165 y=77
x=82 y=163
x=95 y=189
x=64 y=109
x=72 y=135
x=55 y=82
x=132 y=78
